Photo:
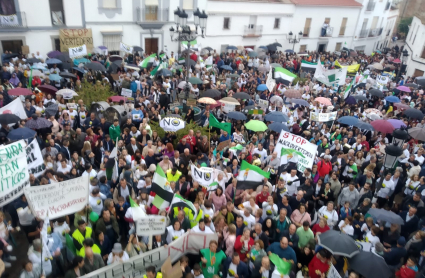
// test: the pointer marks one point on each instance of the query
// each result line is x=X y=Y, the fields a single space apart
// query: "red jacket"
x=405 y=272
x=324 y=168
x=261 y=198
x=239 y=245
x=317 y=264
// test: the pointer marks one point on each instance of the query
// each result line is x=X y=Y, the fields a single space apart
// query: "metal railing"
x=326 y=33
x=388 y=5
x=374 y=32
x=388 y=33
x=370 y=6
x=306 y=31
x=342 y=31
x=18 y=20
x=380 y=31
x=364 y=33
x=152 y=13
x=253 y=30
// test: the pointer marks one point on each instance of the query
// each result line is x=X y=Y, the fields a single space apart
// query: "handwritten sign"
x=58 y=199
x=263 y=103
x=126 y=92
x=227 y=107
x=78 y=51
x=151 y=225
x=322 y=117
x=35 y=161
x=14 y=176
x=75 y=37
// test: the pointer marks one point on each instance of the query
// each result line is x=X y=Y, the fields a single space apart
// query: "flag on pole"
x=137 y=211
x=250 y=176
x=215 y=123
x=45 y=254
x=284 y=74
x=179 y=201
x=147 y=60
x=161 y=187
x=348 y=89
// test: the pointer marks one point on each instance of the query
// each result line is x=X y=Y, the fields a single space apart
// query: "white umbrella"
x=37 y=73
x=378 y=66
x=67 y=93
x=249 y=49
x=229 y=100
x=373 y=116
x=132 y=67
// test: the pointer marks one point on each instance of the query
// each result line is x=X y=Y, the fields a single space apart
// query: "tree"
x=403 y=26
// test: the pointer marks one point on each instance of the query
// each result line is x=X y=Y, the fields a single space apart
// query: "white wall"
x=415 y=46
x=72 y=10
x=37 y=12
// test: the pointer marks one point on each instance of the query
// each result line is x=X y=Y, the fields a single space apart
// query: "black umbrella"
x=359 y=97
x=386 y=215
x=165 y=72
x=369 y=264
x=51 y=110
x=212 y=93
x=421 y=82
x=274 y=56
x=6 y=119
x=338 y=243
x=95 y=66
x=137 y=48
x=364 y=126
x=278 y=127
x=66 y=66
x=33 y=60
x=414 y=113
x=376 y=92
x=67 y=75
x=38 y=123
x=412 y=85
x=277 y=44
x=272 y=47
x=113 y=68
x=10 y=56
x=208 y=48
x=241 y=95
x=236 y=116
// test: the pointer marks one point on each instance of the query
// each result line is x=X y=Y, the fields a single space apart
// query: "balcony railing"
x=370 y=6
x=306 y=32
x=375 y=32
x=364 y=33
x=326 y=33
x=18 y=20
x=152 y=13
x=253 y=30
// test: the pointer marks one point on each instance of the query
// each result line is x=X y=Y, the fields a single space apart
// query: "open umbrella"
x=65 y=74
x=81 y=61
x=231 y=47
x=292 y=93
x=278 y=127
x=54 y=77
x=368 y=264
x=417 y=133
x=239 y=116
x=256 y=125
x=67 y=93
x=392 y=99
x=373 y=116
x=226 y=67
x=53 y=61
x=396 y=123
x=195 y=80
x=137 y=48
x=377 y=66
x=38 y=123
x=323 y=100
x=230 y=100
x=348 y=120
x=263 y=47
x=207 y=100
x=33 y=60
x=208 y=48
x=364 y=126
x=276 y=116
x=413 y=113
x=299 y=102
x=360 y=97
x=252 y=54
x=374 y=111
x=401 y=106
x=382 y=126
x=51 y=110
x=249 y=49
x=350 y=100
x=386 y=215
x=95 y=66
x=289 y=51
x=271 y=47
x=165 y=73
x=241 y=95
x=262 y=87
x=421 y=82
x=338 y=243
x=37 y=73
x=21 y=133
x=411 y=85
x=114 y=58
x=48 y=89
x=404 y=89
x=54 y=54
x=6 y=119
x=276 y=99
x=376 y=92
x=212 y=93
x=82 y=70
x=19 y=92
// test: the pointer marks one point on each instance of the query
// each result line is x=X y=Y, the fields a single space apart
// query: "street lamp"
x=404 y=56
x=184 y=33
x=400 y=135
x=392 y=152
x=293 y=39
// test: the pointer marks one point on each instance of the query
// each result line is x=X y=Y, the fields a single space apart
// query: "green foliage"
x=182 y=132
x=403 y=26
x=92 y=93
x=299 y=79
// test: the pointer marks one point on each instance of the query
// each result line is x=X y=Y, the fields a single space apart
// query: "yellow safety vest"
x=80 y=238
x=189 y=214
x=174 y=178
x=158 y=275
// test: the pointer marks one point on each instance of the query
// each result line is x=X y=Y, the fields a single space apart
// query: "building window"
x=57 y=14
x=112 y=42
x=276 y=23
x=7 y=7
x=187 y=4
x=338 y=46
x=343 y=26
x=423 y=53
x=303 y=48
x=226 y=23
x=307 y=27
x=414 y=38
x=110 y=4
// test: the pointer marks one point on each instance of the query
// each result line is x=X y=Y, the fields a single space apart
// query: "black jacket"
x=261 y=236
x=409 y=226
x=164 y=101
x=155 y=244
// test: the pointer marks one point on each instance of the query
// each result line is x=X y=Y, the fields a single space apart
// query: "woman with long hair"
x=168 y=150
x=77 y=268
x=91 y=137
x=218 y=198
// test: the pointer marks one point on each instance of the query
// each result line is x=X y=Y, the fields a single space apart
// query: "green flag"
x=30 y=81
x=348 y=89
x=224 y=126
x=255 y=112
x=147 y=60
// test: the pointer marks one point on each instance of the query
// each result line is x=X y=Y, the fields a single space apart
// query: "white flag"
x=126 y=48
x=270 y=83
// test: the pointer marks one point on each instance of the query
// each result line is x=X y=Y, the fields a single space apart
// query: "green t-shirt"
x=214 y=261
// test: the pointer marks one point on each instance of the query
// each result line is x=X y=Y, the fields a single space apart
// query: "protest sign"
x=75 y=37
x=322 y=117
x=263 y=103
x=204 y=175
x=78 y=51
x=228 y=107
x=15 y=107
x=126 y=48
x=25 y=49
x=14 y=176
x=223 y=145
x=126 y=92
x=189 y=243
x=58 y=199
x=297 y=145
x=151 y=225
x=172 y=124
x=169 y=271
x=35 y=161
x=9 y=20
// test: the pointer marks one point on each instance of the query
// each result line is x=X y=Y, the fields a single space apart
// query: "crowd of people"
x=283 y=216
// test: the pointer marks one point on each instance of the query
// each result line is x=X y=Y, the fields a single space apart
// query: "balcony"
x=326 y=33
x=16 y=21
x=306 y=32
x=387 y=6
x=370 y=6
x=150 y=17
x=364 y=33
x=253 y=31
x=375 y=32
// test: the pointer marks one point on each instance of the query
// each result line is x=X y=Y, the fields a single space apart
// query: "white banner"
x=382 y=80
x=270 y=83
x=15 y=107
x=189 y=243
x=9 y=20
x=297 y=145
x=228 y=107
x=58 y=199
x=263 y=103
x=330 y=76
x=126 y=48
x=78 y=51
x=204 y=175
x=172 y=124
x=151 y=225
x=35 y=160
x=323 y=117
x=126 y=92
x=14 y=176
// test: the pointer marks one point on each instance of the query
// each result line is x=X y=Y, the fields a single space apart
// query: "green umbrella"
x=252 y=54
x=276 y=65
x=256 y=125
x=234 y=75
x=195 y=80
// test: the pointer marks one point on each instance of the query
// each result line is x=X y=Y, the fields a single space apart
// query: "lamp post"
x=400 y=135
x=404 y=56
x=184 y=33
x=293 y=39
x=392 y=152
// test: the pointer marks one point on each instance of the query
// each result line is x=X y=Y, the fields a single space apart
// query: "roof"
x=258 y=1
x=335 y=3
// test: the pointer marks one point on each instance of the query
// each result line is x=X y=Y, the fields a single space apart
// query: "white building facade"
x=249 y=23
x=415 y=45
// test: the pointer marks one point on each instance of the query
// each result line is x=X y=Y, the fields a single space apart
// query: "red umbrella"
x=117 y=98
x=397 y=61
x=292 y=93
x=20 y=92
x=323 y=100
x=48 y=89
x=382 y=126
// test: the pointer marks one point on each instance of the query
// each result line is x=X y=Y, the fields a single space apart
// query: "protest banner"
x=297 y=145
x=151 y=225
x=58 y=199
x=75 y=37
x=15 y=107
x=78 y=51
x=223 y=145
x=189 y=243
x=126 y=48
x=35 y=161
x=9 y=20
x=172 y=124
x=14 y=176
x=204 y=175
x=263 y=103
x=126 y=92
x=322 y=117
x=228 y=107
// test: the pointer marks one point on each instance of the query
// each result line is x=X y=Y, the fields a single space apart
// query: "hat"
x=328 y=157
x=401 y=241
x=117 y=248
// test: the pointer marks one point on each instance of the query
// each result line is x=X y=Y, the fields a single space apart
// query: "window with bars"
x=57 y=14
x=338 y=46
x=112 y=41
x=303 y=48
x=276 y=23
x=226 y=23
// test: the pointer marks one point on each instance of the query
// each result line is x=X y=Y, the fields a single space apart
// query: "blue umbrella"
x=262 y=87
x=278 y=127
x=55 y=77
x=21 y=133
x=232 y=47
x=82 y=60
x=38 y=67
x=276 y=116
x=53 y=61
x=348 y=120
x=289 y=51
x=350 y=100
x=364 y=126
x=299 y=102
x=263 y=47
x=226 y=67
x=79 y=69
x=392 y=99
x=236 y=115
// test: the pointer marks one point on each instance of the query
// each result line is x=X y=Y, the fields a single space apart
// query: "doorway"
x=13 y=46
x=151 y=45
x=252 y=21
x=418 y=73
x=57 y=44
x=321 y=48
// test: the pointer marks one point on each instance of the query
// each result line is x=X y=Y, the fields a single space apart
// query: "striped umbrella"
x=207 y=100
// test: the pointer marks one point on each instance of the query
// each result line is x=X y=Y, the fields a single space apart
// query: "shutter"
x=112 y=42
